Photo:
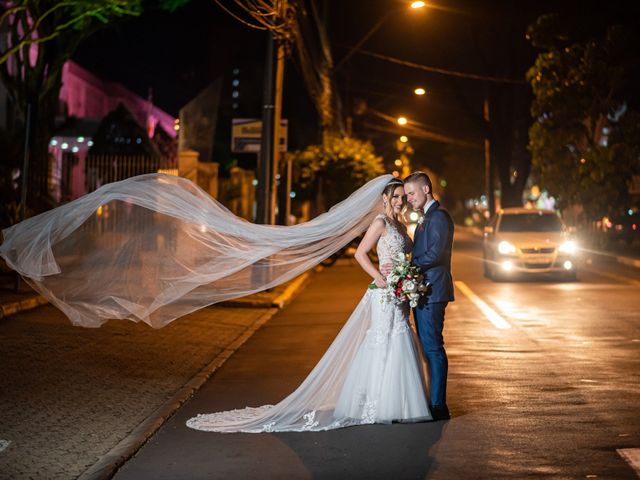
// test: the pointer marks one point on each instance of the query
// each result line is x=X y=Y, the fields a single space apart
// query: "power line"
x=442 y=71
x=415 y=132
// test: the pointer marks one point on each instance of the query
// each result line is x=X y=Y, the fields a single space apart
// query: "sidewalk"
x=76 y=400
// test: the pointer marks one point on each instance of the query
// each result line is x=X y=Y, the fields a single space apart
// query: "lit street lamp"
x=419 y=91
x=404 y=139
x=402 y=120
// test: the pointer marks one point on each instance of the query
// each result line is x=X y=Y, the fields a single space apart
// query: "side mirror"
x=488 y=231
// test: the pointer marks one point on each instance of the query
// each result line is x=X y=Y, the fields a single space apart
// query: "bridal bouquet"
x=405 y=284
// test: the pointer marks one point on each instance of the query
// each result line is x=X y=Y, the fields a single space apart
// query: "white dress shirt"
x=428 y=204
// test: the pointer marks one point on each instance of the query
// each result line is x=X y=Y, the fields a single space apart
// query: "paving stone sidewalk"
x=61 y=385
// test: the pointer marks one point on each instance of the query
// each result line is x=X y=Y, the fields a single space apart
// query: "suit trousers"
x=430 y=323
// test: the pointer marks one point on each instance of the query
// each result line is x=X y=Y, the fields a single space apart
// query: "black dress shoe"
x=440 y=412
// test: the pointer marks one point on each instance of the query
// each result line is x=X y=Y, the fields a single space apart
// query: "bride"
x=372 y=371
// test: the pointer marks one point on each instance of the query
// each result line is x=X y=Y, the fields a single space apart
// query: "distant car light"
x=507 y=266
x=505 y=248
x=569 y=247
x=567 y=265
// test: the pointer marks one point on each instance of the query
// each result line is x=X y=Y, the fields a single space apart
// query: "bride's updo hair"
x=391 y=186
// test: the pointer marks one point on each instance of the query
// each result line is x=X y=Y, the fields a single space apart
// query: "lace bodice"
x=394 y=244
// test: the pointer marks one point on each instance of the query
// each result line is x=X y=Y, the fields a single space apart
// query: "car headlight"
x=505 y=248
x=569 y=247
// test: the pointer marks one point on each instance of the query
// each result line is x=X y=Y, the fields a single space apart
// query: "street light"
x=416 y=5
x=419 y=91
x=402 y=121
x=404 y=139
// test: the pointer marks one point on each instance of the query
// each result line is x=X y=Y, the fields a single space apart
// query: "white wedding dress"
x=371 y=373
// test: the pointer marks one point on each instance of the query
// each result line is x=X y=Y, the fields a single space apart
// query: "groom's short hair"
x=420 y=178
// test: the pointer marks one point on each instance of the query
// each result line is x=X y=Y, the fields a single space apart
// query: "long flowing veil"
x=155 y=247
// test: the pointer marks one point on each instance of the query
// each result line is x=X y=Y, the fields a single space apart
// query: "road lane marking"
x=494 y=317
x=632 y=456
x=4 y=444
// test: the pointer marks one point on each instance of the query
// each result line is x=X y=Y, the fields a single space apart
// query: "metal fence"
x=103 y=169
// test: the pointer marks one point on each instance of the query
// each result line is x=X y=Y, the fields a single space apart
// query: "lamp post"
x=488 y=177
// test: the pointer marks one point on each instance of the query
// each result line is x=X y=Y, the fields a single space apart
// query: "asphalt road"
x=544 y=383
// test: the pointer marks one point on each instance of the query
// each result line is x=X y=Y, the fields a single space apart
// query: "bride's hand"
x=385 y=269
x=380 y=282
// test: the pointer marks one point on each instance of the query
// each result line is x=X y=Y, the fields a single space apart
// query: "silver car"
x=520 y=240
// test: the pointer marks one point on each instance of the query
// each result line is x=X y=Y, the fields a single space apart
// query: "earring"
x=384 y=203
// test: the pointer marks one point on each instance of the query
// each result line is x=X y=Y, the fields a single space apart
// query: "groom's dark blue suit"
x=433 y=240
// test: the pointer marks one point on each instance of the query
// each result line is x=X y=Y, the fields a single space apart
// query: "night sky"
x=178 y=54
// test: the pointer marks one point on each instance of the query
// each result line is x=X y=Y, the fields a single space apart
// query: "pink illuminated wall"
x=86 y=96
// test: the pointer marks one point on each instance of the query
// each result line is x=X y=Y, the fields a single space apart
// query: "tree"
x=584 y=141
x=36 y=39
x=329 y=172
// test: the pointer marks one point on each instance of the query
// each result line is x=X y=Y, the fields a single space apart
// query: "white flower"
x=409 y=286
x=420 y=221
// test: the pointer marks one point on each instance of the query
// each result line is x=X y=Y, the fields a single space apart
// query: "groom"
x=432 y=244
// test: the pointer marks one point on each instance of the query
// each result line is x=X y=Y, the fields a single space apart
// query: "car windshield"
x=530 y=222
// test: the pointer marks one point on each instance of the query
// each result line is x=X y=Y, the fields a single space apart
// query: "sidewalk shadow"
x=368 y=452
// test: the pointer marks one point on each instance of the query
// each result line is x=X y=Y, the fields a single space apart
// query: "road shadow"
x=369 y=451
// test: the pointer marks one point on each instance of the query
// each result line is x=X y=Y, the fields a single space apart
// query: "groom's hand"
x=385 y=269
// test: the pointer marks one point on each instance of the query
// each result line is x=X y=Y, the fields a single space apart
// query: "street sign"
x=246 y=135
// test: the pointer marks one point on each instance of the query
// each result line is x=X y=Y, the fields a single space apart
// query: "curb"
x=286 y=296
x=12 y=308
x=107 y=466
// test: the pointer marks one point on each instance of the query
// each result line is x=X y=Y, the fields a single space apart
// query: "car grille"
x=537 y=265
x=538 y=250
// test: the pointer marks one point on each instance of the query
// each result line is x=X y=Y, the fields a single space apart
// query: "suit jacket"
x=432 y=244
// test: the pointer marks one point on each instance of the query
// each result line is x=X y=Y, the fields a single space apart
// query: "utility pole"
x=270 y=138
x=488 y=177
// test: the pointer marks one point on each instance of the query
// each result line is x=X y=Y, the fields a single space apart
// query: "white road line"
x=4 y=444
x=493 y=316
x=632 y=456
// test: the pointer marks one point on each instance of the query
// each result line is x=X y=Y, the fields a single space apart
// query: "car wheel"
x=486 y=266
x=494 y=272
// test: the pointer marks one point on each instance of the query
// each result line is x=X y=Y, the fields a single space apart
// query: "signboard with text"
x=246 y=135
